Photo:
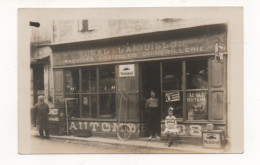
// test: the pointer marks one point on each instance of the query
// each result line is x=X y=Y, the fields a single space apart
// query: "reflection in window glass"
x=89 y=106
x=173 y=99
x=107 y=78
x=107 y=105
x=88 y=79
x=71 y=80
x=172 y=73
x=197 y=74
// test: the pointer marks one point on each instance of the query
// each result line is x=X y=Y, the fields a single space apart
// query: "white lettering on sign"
x=73 y=126
x=115 y=127
x=105 y=127
x=101 y=126
x=80 y=125
x=93 y=125
x=183 y=130
x=86 y=125
x=186 y=130
x=195 y=130
x=127 y=70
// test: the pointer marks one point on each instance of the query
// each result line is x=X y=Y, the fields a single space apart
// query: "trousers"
x=46 y=133
x=153 y=121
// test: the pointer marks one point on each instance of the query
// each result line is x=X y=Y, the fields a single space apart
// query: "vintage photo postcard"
x=130 y=80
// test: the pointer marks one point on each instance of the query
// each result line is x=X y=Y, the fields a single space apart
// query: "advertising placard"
x=197 y=104
x=127 y=70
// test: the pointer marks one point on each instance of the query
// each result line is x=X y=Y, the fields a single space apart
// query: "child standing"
x=170 y=126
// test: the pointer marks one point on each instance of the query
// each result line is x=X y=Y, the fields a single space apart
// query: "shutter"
x=58 y=84
x=217 y=90
x=131 y=85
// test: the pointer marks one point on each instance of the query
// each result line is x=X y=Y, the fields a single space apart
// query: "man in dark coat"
x=42 y=111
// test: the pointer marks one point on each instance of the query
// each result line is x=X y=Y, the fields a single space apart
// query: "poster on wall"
x=197 y=105
x=172 y=96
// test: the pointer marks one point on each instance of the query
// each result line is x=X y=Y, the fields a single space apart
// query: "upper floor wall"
x=65 y=31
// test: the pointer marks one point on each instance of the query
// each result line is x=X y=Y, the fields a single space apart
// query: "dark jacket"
x=42 y=111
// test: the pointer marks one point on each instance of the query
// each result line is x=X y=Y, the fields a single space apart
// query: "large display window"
x=95 y=90
x=172 y=88
x=185 y=88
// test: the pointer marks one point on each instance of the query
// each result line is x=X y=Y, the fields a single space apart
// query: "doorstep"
x=138 y=142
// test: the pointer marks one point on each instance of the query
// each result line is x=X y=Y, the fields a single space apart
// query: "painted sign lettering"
x=205 y=44
x=101 y=126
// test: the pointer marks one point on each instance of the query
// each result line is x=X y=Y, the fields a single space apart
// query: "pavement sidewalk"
x=137 y=142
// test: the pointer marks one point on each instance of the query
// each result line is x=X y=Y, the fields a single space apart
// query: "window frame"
x=184 y=90
x=80 y=93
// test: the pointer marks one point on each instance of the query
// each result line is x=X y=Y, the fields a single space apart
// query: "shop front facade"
x=109 y=80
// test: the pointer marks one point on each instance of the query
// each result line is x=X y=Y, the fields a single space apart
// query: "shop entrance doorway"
x=150 y=80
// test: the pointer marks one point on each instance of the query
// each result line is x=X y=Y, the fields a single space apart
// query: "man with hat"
x=42 y=111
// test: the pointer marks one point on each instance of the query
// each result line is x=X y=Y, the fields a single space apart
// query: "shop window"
x=172 y=88
x=107 y=105
x=89 y=80
x=90 y=98
x=197 y=74
x=173 y=99
x=89 y=106
x=73 y=105
x=72 y=90
x=197 y=89
x=71 y=81
x=107 y=79
x=172 y=73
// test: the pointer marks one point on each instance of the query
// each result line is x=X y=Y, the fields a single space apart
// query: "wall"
x=68 y=30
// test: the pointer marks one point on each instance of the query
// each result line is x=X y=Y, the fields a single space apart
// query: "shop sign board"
x=137 y=51
x=127 y=70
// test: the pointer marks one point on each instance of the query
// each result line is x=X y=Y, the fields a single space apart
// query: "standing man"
x=152 y=107
x=42 y=111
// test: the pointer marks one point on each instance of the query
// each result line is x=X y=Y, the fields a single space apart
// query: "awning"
x=39 y=54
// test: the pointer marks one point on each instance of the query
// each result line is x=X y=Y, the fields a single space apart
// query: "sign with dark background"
x=165 y=48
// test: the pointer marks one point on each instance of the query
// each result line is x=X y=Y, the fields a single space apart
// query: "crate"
x=214 y=139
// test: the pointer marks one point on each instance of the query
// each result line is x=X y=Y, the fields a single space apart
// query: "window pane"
x=107 y=105
x=197 y=105
x=73 y=105
x=173 y=99
x=107 y=78
x=88 y=79
x=71 y=81
x=197 y=74
x=89 y=106
x=172 y=76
